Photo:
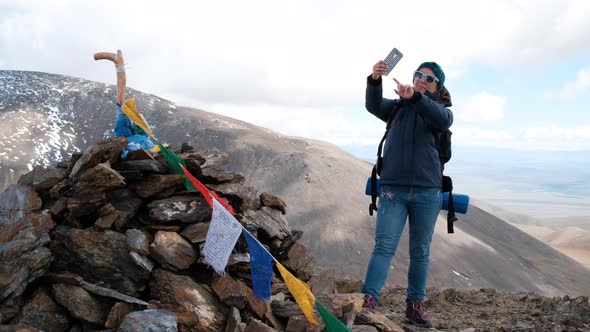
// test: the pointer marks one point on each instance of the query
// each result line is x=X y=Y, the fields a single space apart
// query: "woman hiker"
x=411 y=179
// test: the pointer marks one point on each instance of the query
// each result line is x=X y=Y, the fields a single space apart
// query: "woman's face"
x=421 y=85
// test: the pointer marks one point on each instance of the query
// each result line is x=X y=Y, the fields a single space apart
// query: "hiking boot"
x=415 y=313
x=369 y=302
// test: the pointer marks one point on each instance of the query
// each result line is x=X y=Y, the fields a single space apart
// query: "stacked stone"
x=98 y=243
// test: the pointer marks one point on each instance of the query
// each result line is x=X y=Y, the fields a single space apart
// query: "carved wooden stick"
x=105 y=56
x=120 y=65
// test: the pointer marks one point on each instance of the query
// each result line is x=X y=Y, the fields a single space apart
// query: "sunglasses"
x=418 y=75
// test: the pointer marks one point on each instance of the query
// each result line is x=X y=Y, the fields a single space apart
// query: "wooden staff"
x=117 y=59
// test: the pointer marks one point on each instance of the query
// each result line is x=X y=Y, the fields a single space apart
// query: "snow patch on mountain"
x=44 y=118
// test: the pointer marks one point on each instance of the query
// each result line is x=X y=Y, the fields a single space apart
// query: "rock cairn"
x=98 y=243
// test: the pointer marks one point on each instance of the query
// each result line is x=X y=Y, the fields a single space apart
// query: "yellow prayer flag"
x=133 y=114
x=300 y=292
x=156 y=147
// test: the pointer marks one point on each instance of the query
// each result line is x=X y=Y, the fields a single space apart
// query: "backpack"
x=442 y=142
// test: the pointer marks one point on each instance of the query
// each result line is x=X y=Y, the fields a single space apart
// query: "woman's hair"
x=445 y=97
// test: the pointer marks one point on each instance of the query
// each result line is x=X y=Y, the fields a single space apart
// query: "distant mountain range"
x=45 y=117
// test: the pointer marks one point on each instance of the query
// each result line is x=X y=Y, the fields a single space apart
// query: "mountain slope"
x=45 y=117
x=572 y=241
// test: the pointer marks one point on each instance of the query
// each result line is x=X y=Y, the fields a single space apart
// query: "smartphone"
x=392 y=59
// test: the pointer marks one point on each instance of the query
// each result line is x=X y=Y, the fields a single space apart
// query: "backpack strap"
x=373 y=204
x=447 y=186
x=377 y=168
x=451 y=218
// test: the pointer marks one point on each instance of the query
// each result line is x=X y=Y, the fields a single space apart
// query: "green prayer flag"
x=332 y=323
x=174 y=161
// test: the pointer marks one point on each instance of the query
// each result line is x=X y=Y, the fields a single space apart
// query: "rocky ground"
x=492 y=310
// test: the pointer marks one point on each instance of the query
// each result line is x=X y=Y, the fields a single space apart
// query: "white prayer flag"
x=222 y=236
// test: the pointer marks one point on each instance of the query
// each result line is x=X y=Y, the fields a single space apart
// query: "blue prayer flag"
x=260 y=268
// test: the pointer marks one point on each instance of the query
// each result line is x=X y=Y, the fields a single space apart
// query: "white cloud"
x=534 y=138
x=481 y=107
x=573 y=88
x=365 y=130
x=326 y=124
x=305 y=53
x=291 y=66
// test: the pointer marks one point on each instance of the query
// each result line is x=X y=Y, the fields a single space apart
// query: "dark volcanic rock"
x=186 y=208
x=269 y=200
x=125 y=201
x=98 y=256
x=16 y=201
x=154 y=184
x=23 y=257
x=270 y=221
x=97 y=179
x=235 y=293
x=81 y=304
x=103 y=151
x=149 y=320
x=137 y=241
x=146 y=166
x=43 y=313
x=42 y=178
x=182 y=294
x=117 y=313
x=197 y=232
x=172 y=251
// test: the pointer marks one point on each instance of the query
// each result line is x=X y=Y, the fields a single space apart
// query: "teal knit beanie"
x=437 y=70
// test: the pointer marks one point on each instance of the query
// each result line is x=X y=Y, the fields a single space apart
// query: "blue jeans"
x=422 y=206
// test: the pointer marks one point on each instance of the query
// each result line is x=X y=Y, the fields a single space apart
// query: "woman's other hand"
x=405 y=91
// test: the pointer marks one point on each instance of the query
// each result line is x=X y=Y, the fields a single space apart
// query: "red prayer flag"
x=207 y=193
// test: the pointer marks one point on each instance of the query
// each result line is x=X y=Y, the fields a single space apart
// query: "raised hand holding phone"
x=392 y=59
x=378 y=69
x=384 y=67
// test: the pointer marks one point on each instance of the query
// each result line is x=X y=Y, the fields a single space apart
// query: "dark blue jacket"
x=410 y=157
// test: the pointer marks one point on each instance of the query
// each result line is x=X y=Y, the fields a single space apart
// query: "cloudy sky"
x=518 y=71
